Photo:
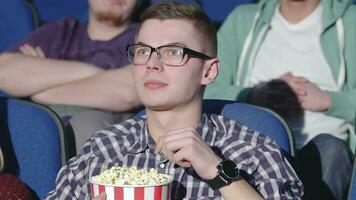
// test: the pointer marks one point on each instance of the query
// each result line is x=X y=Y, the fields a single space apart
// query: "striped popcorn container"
x=130 y=192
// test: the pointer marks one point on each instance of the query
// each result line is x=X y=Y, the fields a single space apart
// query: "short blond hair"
x=185 y=11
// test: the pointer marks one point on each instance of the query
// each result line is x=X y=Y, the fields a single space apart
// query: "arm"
x=343 y=105
x=111 y=90
x=259 y=160
x=187 y=149
x=71 y=180
x=239 y=190
x=23 y=75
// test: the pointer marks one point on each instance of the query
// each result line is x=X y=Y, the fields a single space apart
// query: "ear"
x=210 y=71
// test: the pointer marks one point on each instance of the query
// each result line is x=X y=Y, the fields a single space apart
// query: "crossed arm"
x=51 y=81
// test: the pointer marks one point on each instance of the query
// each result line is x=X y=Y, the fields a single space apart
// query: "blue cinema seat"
x=257 y=118
x=52 y=10
x=216 y=10
x=33 y=141
x=17 y=19
x=219 y=10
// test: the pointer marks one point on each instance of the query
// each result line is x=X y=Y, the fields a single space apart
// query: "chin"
x=110 y=18
x=158 y=106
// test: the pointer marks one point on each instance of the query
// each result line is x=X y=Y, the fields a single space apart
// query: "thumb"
x=102 y=196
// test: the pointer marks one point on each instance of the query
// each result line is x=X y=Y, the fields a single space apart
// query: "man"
x=171 y=69
x=77 y=64
x=289 y=55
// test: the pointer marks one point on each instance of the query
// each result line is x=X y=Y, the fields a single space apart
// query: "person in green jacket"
x=297 y=58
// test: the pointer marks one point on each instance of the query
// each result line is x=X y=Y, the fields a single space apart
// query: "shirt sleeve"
x=263 y=165
x=45 y=36
x=72 y=178
x=274 y=176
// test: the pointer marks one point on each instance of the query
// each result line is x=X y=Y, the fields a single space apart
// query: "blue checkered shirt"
x=129 y=144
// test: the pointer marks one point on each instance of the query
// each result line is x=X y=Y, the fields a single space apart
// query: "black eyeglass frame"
x=186 y=51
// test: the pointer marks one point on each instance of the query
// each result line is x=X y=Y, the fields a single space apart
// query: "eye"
x=142 y=51
x=173 y=52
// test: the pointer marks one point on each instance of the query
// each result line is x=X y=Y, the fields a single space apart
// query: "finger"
x=180 y=157
x=24 y=50
x=159 y=145
x=40 y=52
x=301 y=101
x=301 y=92
x=30 y=50
x=175 y=131
x=300 y=79
x=286 y=75
x=102 y=196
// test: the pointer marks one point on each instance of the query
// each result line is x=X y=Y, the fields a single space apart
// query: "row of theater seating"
x=19 y=17
x=37 y=143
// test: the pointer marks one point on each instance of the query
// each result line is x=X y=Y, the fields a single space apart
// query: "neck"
x=296 y=11
x=160 y=122
x=104 y=31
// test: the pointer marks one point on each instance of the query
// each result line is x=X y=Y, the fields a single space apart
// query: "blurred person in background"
x=79 y=68
x=297 y=57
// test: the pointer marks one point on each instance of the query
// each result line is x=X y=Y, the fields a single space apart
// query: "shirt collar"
x=146 y=141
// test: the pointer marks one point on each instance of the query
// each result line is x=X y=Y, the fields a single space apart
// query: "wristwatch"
x=227 y=173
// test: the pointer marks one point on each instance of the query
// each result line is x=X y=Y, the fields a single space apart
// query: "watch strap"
x=217 y=182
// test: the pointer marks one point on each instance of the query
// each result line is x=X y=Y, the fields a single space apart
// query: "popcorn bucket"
x=131 y=192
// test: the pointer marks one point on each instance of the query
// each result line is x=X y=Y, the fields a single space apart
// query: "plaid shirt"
x=129 y=144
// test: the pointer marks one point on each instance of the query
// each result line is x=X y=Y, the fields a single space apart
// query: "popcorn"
x=131 y=176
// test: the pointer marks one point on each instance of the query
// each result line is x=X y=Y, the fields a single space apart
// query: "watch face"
x=229 y=169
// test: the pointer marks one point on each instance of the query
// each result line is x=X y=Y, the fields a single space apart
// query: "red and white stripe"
x=132 y=193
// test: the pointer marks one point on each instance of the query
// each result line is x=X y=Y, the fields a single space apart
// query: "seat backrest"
x=219 y=10
x=352 y=190
x=257 y=118
x=32 y=138
x=52 y=10
x=17 y=19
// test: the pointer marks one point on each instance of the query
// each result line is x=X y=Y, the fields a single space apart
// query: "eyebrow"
x=173 y=43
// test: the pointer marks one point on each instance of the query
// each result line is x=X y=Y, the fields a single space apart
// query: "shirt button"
x=162 y=165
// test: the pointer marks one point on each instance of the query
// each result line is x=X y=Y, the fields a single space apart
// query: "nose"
x=154 y=63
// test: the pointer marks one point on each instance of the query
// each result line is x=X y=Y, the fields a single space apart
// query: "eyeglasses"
x=172 y=55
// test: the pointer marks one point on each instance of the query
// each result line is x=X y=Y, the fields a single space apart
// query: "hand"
x=186 y=148
x=310 y=96
x=102 y=196
x=28 y=50
x=315 y=99
x=295 y=82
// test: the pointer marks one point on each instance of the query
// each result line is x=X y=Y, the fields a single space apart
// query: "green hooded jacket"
x=247 y=25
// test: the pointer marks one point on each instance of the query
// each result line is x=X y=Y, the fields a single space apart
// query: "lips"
x=118 y=2
x=154 y=84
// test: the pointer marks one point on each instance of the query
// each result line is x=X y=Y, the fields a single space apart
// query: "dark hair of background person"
x=141 y=5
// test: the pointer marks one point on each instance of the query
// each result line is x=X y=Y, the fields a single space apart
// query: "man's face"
x=113 y=11
x=163 y=87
